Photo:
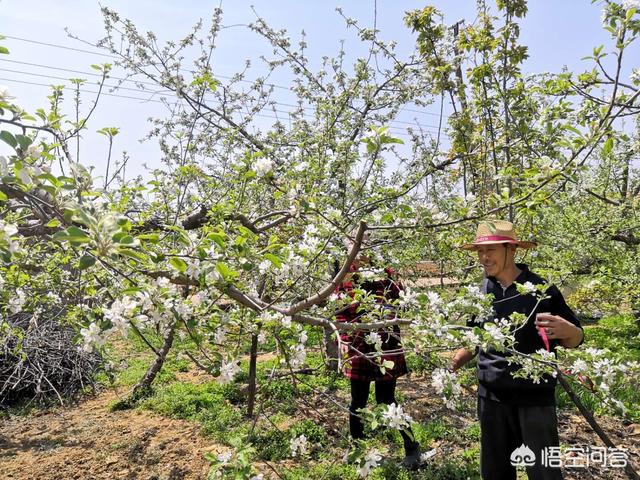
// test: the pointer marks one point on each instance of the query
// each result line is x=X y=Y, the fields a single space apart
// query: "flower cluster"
x=395 y=417
x=370 y=461
x=299 y=446
x=447 y=386
x=228 y=370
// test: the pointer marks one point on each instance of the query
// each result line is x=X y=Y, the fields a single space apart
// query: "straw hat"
x=496 y=231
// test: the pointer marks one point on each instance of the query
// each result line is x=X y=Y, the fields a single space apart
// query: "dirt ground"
x=89 y=442
x=86 y=441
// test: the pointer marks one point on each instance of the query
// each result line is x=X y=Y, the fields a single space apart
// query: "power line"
x=64 y=47
x=81 y=72
x=115 y=87
x=139 y=82
x=84 y=90
x=165 y=92
x=145 y=100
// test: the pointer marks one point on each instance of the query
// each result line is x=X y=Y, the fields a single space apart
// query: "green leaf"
x=53 y=223
x=72 y=235
x=149 y=237
x=178 y=264
x=84 y=218
x=86 y=261
x=127 y=240
x=123 y=238
x=273 y=259
x=128 y=252
x=7 y=137
x=52 y=180
x=76 y=232
x=630 y=13
x=227 y=273
x=4 y=50
x=24 y=141
x=607 y=148
x=3 y=197
x=218 y=237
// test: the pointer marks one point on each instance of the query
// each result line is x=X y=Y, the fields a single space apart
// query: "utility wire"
x=53 y=45
x=145 y=100
x=136 y=82
x=153 y=93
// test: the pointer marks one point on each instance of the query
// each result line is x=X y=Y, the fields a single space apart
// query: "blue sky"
x=558 y=34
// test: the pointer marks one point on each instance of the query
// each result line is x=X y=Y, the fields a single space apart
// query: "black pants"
x=385 y=393
x=506 y=427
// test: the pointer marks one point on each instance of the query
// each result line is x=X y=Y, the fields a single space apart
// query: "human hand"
x=556 y=327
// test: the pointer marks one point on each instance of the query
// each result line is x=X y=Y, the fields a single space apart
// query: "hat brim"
x=517 y=243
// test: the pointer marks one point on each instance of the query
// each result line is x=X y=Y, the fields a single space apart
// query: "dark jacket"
x=495 y=381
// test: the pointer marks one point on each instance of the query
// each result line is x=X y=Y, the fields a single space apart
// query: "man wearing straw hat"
x=517 y=416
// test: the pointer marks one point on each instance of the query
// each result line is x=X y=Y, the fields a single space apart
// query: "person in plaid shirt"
x=362 y=361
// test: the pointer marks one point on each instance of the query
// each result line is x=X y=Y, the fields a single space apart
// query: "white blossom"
x=374 y=338
x=17 y=302
x=35 y=151
x=220 y=335
x=301 y=167
x=394 y=417
x=440 y=217
x=228 y=370
x=4 y=166
x=635 y=76
x=496 y=332
x=193 y=269
x=408 y=298
x=446 y=385
x=212 y=252
x=24 y=176
x=527 y=288
x=4 y=94
x=371 y=460
x=92 y=336
x=434 y=300
x=579 y=366
x=264 y=266
x=299 y=446
x=197 y=299
x=628 y=4
x=8 y=229
x=263 y=166
x=298 y=356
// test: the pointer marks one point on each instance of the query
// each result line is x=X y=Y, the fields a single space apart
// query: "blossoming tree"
x=242 y=228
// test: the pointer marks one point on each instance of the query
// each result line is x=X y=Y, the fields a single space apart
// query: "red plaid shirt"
x=361 y=360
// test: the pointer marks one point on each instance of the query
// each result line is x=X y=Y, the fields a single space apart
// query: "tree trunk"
x=253 y=363
x=144 y=385
x=633 y=475
x=331 y=349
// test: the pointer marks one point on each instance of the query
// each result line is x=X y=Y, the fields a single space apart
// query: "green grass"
x=619 y=334
x=219 y=409
x=212 y=405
